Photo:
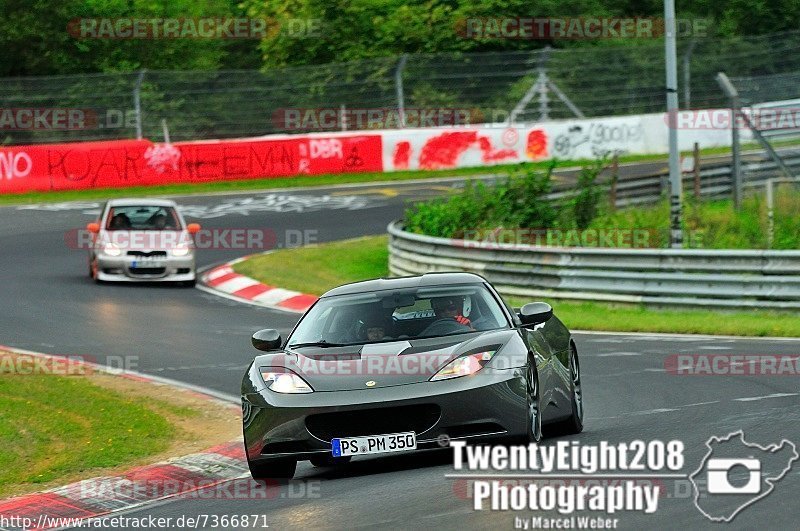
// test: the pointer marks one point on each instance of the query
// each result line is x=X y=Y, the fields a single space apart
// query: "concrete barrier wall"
x=127 y=163
x=485 y=145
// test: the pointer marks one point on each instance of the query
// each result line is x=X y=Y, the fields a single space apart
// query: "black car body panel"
x=489 y=404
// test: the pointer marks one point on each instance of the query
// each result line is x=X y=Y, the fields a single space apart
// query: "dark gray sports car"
x=394 y=365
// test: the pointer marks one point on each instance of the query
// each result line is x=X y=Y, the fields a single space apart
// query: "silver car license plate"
x=147 y=263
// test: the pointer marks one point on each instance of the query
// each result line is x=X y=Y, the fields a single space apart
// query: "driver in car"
x=450 y=308
x=375 y=328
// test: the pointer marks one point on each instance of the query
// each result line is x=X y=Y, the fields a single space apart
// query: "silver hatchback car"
x=145 y=240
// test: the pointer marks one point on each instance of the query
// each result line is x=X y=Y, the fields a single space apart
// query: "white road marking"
x=702 y=403
x=765 y=397
x=713 y=347
x=610 y=354
x=653 y=411
x=676 y=337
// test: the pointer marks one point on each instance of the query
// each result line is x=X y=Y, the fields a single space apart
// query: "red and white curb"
x=201 y=475
x=223 y=280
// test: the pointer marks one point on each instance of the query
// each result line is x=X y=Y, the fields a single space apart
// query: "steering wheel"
x=445 y=325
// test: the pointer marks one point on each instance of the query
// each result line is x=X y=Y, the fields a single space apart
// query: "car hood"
x=378 y=365
x=145 y=240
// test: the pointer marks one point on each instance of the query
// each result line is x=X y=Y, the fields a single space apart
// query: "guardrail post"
x=614 y=179
x=736 y=158
x=697 y=171
x=770 y=214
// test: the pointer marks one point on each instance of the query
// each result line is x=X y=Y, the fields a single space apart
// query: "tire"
x=93 y=271
x=272 y=469
x=328 y=460
x=534 y=412
x=574 y=423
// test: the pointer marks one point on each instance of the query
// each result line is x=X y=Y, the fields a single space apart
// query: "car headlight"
x=111 y=249
x=284 y=381
x=182 y=249
x=464 y=365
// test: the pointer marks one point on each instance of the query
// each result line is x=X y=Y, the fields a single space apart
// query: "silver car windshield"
x=142 y=218
x=396 y=315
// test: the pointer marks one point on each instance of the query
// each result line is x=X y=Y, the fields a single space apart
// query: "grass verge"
x=59 y=426
x=315 y=269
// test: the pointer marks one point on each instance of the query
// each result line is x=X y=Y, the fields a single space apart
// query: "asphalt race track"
x=50 y=305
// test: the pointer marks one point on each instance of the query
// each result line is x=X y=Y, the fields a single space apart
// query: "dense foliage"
x=35 y=40
x=516 y=210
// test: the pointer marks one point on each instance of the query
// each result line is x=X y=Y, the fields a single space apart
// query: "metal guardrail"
x=672 y=277
x=715 y=179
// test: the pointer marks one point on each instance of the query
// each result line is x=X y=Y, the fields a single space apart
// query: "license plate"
x=146 y=263
x=374 y=444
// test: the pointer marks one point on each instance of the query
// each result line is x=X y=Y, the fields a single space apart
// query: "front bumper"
x=121 y=269
x=490 y=405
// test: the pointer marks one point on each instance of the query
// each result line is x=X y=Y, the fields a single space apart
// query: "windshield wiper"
x=321 y=343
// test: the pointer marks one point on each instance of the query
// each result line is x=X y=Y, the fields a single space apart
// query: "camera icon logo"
x=735 y=474
x=720 y=471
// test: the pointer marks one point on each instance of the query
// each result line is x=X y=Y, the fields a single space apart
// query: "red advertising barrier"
x=124 y=163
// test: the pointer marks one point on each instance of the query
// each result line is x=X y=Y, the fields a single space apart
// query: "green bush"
x=584 y=206
x=519 y=200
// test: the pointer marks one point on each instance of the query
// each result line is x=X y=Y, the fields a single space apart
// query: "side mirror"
x=94 y=228
x=193 y=228
x=535 y=313
x=267 y=340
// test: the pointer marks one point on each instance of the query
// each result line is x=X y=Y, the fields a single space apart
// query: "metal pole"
x=165 y=129
x=137 y=104
x=697 y=188
x=770 y=214
x=544 y=101
x=343 y=117
x=736 y=156
x=687 y=76
x=614 y=179
x=398 y=85
x=676 y=184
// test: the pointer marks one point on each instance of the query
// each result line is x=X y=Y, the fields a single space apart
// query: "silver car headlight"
x=182 y=249
x=112 y=249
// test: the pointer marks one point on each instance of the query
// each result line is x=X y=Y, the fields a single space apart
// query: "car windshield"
x=399 y=314
x=143 y=218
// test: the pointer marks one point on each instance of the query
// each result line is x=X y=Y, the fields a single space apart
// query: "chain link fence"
x=596 y=80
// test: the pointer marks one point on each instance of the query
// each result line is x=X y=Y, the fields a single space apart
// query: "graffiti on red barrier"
x=537 y=145
x=442 y=151
x=141 y=163
x=402 y=155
